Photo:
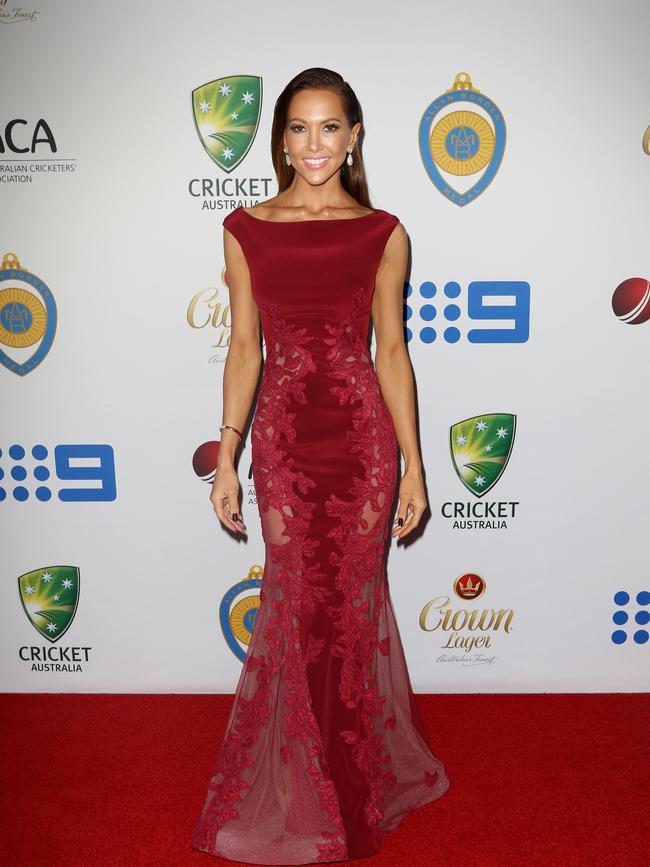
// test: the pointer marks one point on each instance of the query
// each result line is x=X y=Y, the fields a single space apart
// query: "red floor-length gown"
x=325 y=749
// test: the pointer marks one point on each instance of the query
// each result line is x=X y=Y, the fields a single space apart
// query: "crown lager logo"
x=226 y=115
x=26 y=318
x=467 y=629
x=480 y=449
x=469 y=586
x=462 y=142
x=50 y=597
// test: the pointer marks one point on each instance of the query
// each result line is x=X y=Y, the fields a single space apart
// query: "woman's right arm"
x=240 y=377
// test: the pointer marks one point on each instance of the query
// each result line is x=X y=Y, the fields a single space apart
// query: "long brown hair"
x=353 y=178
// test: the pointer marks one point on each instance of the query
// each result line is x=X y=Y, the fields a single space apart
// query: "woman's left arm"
x=395 y=375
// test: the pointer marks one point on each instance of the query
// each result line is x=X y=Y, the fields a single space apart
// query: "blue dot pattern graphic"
x=18 y=472
x=428 y=312
x=622 y=617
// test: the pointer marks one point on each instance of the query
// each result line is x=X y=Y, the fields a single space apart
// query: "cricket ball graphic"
x=631 y=301
x=204 y=460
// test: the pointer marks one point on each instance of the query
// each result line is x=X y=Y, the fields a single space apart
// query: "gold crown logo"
x=469 y=586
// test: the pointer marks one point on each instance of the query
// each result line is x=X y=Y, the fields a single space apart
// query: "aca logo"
x=631 y=301
x=480 y=449
x=32 y=474
x=210 y=308
x=238 y=611
x=506 y=302
x=468 y=628
x=28 y=150
x=226 y=115
x=631 y=619
x=50 y=597
x=21 y=137
x=462 y=133
x=27 y=317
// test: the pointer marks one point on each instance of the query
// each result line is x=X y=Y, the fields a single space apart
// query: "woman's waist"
x=325 y=398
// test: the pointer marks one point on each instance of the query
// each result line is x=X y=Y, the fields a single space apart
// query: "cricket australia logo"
x=226 y=115
x=480 y=449
x=49 y=598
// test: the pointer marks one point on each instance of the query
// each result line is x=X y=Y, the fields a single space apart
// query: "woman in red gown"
x=325 y=750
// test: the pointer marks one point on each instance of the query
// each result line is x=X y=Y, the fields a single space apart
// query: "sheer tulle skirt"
x=279 y=798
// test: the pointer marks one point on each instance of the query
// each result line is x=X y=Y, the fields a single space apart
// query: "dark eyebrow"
x=323 y=121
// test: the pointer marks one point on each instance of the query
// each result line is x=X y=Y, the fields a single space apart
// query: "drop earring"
x=349 y=160
x=286 y=158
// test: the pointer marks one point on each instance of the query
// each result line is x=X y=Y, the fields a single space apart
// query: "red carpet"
x=535 y=780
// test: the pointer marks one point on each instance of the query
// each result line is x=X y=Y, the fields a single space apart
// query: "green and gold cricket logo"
x=480 y=449
x=226 y=115
x=50 y=597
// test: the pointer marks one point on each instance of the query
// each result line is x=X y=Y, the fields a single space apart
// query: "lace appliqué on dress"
x=286 y=519
x=361 y=535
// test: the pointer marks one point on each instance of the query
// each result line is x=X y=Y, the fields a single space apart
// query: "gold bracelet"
x=230 y=427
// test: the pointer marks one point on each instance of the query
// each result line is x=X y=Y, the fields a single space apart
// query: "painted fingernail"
x=235 y=516
x=400 y=521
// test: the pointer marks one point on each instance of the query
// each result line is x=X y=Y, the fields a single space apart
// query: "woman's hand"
x=412 y=503
x=225 y=498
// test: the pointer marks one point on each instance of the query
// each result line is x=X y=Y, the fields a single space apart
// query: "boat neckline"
x=318 y=220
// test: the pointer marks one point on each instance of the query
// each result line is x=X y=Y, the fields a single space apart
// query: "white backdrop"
x=108 y=219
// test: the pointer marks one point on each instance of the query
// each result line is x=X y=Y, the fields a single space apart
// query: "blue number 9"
x=518 y=313
x=103 y=472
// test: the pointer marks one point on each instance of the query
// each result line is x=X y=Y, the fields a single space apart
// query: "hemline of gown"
x=433 y=794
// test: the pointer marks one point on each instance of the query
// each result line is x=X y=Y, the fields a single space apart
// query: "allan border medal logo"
x=226 y=115
x=462 y=142
x=50 y=598
x=238 y=612
x=480 y=449
x=25 y=316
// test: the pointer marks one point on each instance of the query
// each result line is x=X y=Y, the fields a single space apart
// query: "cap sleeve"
x=392 y=220
x=389 y=223
x=239 y=228
x=232 y=222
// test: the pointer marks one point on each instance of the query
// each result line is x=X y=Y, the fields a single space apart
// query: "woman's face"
x=317 y=135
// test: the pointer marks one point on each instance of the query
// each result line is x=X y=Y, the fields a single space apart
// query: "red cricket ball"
x=631 y=300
